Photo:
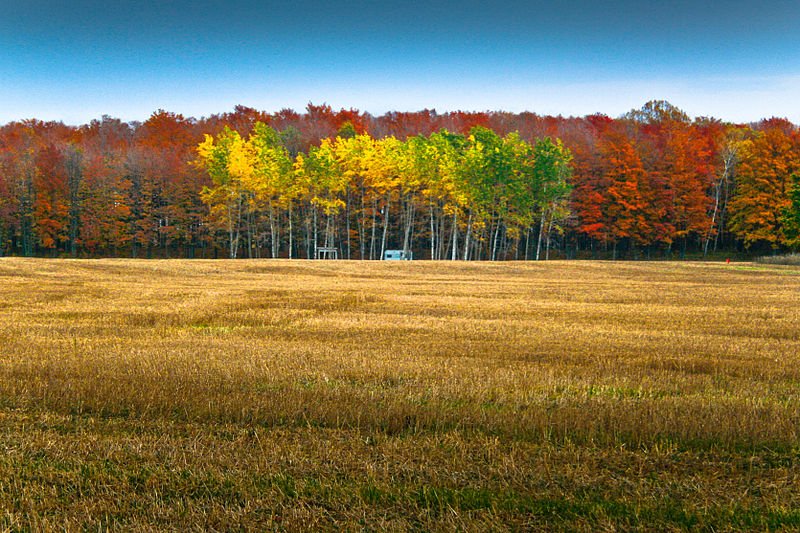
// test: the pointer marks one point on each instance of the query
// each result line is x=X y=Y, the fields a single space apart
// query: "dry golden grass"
x=788 y=259
x=175 y=395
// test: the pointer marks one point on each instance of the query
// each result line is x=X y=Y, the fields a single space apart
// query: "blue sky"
x=77 y=60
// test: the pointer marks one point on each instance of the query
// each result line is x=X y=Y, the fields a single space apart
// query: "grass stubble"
x=285 y=395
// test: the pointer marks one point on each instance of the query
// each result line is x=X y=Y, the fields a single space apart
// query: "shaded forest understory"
x=461 y=186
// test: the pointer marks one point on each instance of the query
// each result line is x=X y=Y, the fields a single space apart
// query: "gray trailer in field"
x=398 y=255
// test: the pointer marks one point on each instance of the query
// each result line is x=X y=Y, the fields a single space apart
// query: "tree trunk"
x=717 y=194
x=374 y=223
x=347 y=221
x=539 y=239
x=527 y=242
x=469 y=233
x=442 y=246
x=494 y=240
x=272 y=236
x=455 y=236
x=307 y=222
x=290 y=229
x=547 y=243
x=385 y=223
x=433 y=232
x=234 y=228
x=362 y=232
x=249 y=220
x=314 y=222
x=409 y=224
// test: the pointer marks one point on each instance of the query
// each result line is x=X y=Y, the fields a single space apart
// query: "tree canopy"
x=479 y=186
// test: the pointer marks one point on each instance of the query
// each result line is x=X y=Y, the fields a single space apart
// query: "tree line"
x=456 y=186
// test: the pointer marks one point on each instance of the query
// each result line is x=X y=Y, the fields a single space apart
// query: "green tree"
x=550 y=175
x=791 y=215
x=440 y=158
x=271 y=179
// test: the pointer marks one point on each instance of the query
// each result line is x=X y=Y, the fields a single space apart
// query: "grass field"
x=179 y=395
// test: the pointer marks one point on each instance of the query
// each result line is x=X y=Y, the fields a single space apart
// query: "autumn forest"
x=457 y=186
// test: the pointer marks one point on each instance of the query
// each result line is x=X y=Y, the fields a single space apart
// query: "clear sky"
x=75 y=60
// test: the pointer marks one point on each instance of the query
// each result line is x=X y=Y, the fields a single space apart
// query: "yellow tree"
x=413 y=180
x=319 y=175
x=228 y=159
x=383 y=175
x=439 y=159
x=353 y=155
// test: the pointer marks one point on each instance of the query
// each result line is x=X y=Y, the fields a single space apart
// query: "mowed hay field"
x=272 y=395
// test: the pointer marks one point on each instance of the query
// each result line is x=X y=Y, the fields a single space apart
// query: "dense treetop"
x=491 y=185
